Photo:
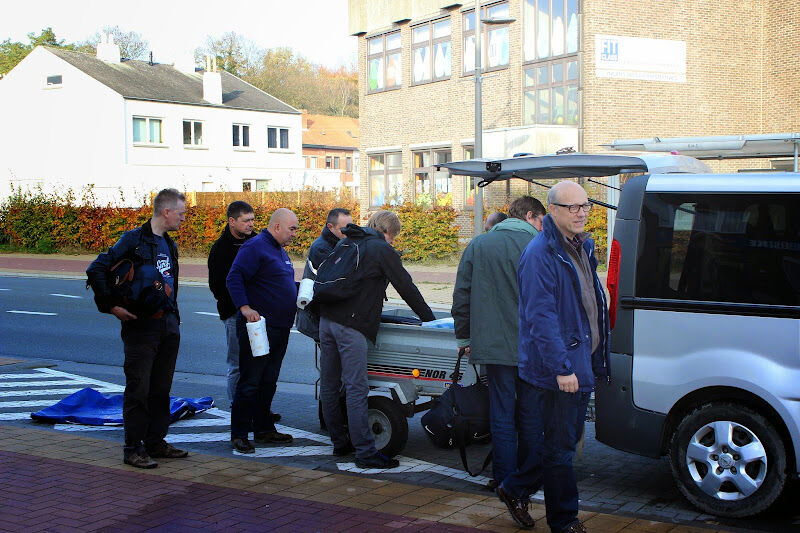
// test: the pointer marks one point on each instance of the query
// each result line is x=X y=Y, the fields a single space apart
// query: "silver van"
x=704 y=283
x=704 y=277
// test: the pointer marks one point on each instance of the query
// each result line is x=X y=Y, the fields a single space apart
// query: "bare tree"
x=131 y=44
x=235 y=53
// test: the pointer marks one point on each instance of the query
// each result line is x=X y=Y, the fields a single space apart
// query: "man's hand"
x=568 y=383
x=123 y=314
x=250 y=314
x=466 y=350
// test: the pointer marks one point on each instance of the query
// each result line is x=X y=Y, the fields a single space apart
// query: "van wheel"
x=728 y=460
x=388 y=424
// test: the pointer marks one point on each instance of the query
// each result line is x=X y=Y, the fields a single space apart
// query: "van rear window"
x=740 y=248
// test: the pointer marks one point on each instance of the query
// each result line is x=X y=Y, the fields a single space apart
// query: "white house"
x=69 y=120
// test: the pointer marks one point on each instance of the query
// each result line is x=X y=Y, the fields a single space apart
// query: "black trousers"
x=151 y=349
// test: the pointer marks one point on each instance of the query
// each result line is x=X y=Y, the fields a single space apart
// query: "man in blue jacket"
x=563 y=347
x=261 y=283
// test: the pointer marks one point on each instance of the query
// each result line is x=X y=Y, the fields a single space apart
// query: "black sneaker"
x=347 y=449
x=242 y=446
x=168 y=451
x=140 y=460
x=517 y=508
x=378 y=460
x=273 y=436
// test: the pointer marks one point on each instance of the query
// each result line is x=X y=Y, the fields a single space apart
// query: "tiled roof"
x=139 y=80
x=324 y=130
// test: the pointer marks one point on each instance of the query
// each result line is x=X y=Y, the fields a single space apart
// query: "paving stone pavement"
x=66 y=482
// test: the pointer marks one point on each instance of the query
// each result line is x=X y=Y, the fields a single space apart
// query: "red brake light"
x=612 y=282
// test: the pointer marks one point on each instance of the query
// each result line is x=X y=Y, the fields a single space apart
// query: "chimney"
x=212 y=82
x=304 y=119
x=107 y=50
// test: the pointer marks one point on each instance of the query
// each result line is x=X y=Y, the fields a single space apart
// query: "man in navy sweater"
x=261 y=283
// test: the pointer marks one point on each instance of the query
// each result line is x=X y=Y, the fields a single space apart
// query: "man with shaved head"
x=563 y=348
x=261 y=283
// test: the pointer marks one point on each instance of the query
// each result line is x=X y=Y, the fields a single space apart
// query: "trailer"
x=408 y=367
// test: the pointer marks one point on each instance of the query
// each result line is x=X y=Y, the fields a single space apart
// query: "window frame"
x=242 y=147
x=148 y=142
x=431 y=43
x=48 y=84
x=395 y=173
x=530 y=30
x=487 y=28
x=278 y=130
x=469 y=181
x=430 y=171
x=384 y=55
x=193 y=145
x=348 y=162
x=551 y=87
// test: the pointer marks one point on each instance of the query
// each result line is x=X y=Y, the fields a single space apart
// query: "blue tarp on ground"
x=90 y=407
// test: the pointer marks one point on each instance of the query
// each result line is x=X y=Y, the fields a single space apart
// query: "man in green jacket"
x=485 y=312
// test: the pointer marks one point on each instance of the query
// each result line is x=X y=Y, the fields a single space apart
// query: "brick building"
x=563 y=73
x=330 y=151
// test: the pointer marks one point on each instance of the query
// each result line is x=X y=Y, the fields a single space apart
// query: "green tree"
x=12 y=53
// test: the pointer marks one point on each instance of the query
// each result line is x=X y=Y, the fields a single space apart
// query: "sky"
x=315 y=29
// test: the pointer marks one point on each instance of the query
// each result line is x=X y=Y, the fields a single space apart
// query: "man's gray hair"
x=552 y=196
x=166 y=199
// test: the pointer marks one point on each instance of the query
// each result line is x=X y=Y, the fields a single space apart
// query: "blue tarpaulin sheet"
x=90 y=407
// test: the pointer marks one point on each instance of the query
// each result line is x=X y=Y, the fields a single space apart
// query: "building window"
x=348 y=164
x=431 y=50
x=551 y=92
x=305 y=161
x=312 y=161
x=147 y=130
x=241 y=135
x=494 y=40
x=432 y=187
x=192 y=133
x=470 y=182
x=336 y=162
x=384 y=62
x=328 y=162
x=53 y=81
x=276 y=135
x=385 y=179
x=550 y=28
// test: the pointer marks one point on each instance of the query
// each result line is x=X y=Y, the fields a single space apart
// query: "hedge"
x=48 y=223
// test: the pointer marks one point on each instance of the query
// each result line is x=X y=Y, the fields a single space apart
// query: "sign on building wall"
x=636 y=58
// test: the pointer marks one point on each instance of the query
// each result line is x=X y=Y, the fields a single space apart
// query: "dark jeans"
x=550 y=426
x=151 y=348
x=258 y=379
x=502 y=381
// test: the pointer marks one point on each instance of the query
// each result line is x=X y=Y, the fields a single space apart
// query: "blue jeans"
x=258 y=380
x=502 y=381
x=550 y=426
x=232 y=360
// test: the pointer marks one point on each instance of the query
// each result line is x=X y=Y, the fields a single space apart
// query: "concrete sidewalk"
x=52 y=481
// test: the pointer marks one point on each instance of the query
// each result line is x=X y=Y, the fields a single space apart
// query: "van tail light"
x=612 y=282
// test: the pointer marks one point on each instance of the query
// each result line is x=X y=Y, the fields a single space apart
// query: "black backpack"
x=460 y=417
x=338 y=275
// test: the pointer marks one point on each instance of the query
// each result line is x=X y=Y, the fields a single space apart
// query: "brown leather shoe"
x=168 y=451
x=140 y=460
x=517 y=508
x=242 y=446
x=274 y=436
x=577 y=527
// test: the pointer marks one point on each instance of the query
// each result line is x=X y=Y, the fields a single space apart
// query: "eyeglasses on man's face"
x=573 y=208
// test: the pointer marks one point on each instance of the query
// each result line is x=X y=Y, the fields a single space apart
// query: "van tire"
x=767 y=466
x=388 y=424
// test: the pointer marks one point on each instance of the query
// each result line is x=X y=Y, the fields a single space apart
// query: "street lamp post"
x=478 y=147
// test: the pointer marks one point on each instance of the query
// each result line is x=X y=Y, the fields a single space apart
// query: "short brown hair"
x=384 y=222
x=520 y=207
x=166 y=199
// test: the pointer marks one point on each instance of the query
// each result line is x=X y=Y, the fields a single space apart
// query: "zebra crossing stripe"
x=38 y=383
x=20 y=376
x=55 y=392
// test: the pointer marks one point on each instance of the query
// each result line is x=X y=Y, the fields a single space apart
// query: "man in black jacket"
x=150 y=342
x=344 y=329
x=308 y=319
x=239 y=228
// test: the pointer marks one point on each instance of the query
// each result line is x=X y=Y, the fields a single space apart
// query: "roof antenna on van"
x=151 y=58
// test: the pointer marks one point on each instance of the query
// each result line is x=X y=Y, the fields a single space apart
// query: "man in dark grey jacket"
x=485 y=313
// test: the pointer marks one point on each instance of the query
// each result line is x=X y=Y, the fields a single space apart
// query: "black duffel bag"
x=460 y=417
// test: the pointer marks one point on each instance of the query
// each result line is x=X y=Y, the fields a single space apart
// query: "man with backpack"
x=338 y=218
x=351 y=301
x=150 y=325
x=486 y=320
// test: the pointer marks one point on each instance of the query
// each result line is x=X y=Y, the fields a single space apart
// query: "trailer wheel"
x=388 y=424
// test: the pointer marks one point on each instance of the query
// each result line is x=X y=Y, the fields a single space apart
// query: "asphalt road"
x=73 y=330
